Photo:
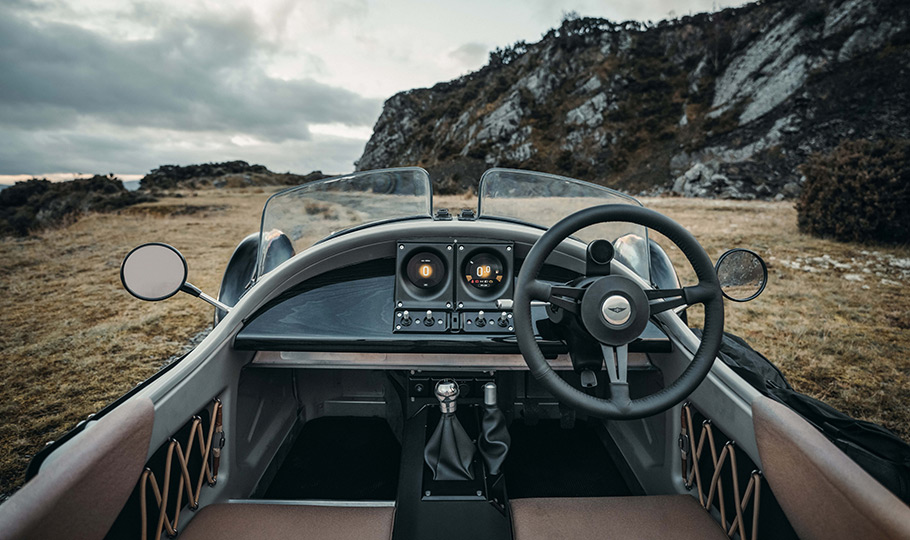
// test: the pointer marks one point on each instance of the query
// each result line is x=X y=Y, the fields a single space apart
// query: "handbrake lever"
x=494 y=439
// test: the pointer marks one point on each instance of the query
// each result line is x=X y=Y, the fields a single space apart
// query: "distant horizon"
x=10 y=179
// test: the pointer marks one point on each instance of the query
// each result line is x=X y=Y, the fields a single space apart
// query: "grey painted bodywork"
x=257 y=421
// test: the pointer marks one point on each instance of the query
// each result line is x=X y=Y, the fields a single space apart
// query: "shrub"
x=814 y=17
x=858 y=192
x=36 y=204
x=564 y=162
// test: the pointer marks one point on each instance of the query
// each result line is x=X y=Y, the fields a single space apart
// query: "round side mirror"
x=743 y=275
x=153 y=272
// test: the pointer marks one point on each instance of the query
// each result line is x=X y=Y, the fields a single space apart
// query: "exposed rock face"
x=718 y=105
x=227 y=174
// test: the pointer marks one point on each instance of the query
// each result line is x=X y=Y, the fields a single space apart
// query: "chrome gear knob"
x=447 y=394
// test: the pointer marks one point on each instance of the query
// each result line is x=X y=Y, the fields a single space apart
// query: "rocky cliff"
x=725 y=104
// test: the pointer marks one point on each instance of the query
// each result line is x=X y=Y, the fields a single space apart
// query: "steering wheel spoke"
x=567 y=298
x=561 y=296
x=616 y=360
x=661 y=300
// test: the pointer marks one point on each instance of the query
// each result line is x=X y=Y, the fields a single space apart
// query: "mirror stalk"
x=193 y=290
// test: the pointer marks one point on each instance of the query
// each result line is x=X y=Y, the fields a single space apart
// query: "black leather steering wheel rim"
x=707 y=292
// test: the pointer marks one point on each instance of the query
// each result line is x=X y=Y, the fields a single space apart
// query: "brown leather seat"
x=614 y=518
x=78 y=493
x=276 y=521
x=824 y=493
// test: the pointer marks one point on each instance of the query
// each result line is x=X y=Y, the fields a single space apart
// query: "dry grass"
x=833 y=318
x=71 y=340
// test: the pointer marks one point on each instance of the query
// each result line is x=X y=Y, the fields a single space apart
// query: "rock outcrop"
x=37 y=204
x=232 y=174
x=725 y=104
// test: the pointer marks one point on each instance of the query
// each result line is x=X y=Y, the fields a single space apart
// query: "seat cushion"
x=614 y=518
x=277 y=521
x=83 y=486
x=824 y=493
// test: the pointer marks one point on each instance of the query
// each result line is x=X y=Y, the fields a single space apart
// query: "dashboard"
x=418 y=295
x=433 y=296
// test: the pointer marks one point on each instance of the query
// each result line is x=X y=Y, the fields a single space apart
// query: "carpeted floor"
x=340 y=458
x=548 y=461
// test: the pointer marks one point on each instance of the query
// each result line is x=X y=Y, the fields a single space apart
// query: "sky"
x=123 y=86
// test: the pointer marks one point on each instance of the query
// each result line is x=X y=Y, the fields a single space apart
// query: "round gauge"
x=425 y=270
x=483 y=271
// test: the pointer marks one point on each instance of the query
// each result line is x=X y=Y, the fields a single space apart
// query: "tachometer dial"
x=426 y=270
x=483 y=271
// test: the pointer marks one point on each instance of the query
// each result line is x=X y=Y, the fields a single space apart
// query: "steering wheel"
x=615 y=310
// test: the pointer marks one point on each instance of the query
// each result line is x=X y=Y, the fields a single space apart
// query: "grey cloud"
x=193 y=75
x=471 y=55
x=121 y=150
x=24 y=5
x=340 y=11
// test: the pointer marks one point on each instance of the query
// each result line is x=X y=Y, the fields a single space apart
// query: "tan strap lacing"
x=691 y=470
x=209 y=470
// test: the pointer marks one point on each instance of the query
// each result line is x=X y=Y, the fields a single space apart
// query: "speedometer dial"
x=483 y=271
x=425 y=270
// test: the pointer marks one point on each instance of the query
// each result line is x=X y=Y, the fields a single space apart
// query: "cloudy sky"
x=123 y=86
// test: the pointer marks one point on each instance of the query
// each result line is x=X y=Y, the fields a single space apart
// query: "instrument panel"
x=483 y=271
x=454 y=287
x=425 y=270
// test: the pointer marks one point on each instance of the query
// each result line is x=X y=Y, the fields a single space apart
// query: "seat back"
x=824 y=493
x=80 y=492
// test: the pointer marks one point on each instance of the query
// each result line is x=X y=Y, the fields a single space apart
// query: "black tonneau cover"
x=880 y=452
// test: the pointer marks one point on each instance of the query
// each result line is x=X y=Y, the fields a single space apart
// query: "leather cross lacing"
x=716 y=485
x=211 y=456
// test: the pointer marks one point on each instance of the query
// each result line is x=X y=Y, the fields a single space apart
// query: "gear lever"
x=494 y=437
x=449 y=452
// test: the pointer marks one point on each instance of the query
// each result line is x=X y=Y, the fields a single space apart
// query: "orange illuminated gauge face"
x=483 y=271
x=425 y=270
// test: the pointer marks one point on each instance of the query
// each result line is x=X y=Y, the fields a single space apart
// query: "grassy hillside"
x=71 y=340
